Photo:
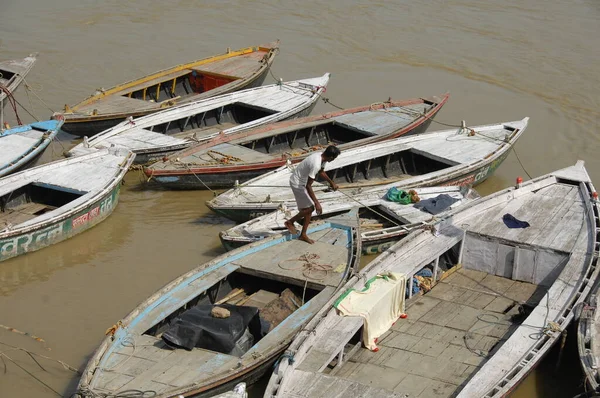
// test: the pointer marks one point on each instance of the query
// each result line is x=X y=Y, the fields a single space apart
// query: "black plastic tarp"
x=196 y=327
x=436 y=205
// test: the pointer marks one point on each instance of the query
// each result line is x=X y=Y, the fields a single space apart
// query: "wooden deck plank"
x=378 y=122
x=310 y=384
x=238 y=151
x=282 y=265
x=241 y=66
x=373 y=123
x=118 y=104
x=202 y=132
x=438 y=347
x=271 y=102
x=331 y=342
x=144 y=379
x=542 y=213
x=467 y=151
x=14 y=145
x=137 y=139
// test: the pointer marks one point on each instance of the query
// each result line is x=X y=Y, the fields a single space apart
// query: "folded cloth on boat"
x=380 y=304
x=196 y=327
x=511 y=222
x=436 y=205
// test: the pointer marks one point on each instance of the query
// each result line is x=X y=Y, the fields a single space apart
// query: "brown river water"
x=501 y=60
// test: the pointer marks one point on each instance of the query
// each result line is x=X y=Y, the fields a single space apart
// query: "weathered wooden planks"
x=463 y=332
x=287 y=101
x=13 y=72
x=240 y=67
x=133 y=360
x=286 y=264
x=478 y=162
x=379 y=122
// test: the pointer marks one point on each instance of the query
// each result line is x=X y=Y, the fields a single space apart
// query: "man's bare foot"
x=306 y=239
x=290 y=226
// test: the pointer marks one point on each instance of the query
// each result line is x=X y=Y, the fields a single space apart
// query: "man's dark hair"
x=332 y=152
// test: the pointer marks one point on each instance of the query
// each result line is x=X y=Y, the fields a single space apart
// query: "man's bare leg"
x=290 y=226
x=303 y=235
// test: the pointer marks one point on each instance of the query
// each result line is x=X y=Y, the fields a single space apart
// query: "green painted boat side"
x=60 y=230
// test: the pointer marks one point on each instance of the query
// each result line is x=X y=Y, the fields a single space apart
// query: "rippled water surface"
x=500 y=60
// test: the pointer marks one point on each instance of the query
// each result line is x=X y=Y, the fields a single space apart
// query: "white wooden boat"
x=47 y=204
x=382 y=222
x=501 y=298
x=464 y=156
x=180 y=84
x=218 y=163
x=588 y=339
x=22 y=145
x=154 y=136
x=265 y=279
x=239 y=391
x=12 y=74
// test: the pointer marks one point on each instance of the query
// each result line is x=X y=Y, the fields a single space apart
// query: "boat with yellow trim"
x=200 y=79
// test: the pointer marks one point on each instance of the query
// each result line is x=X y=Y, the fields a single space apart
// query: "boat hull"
x=469 y=178
x=30 y=158
x=227 y=177
x=191 y=181
x=250 y=377
x=60 y=230
x=92 y=125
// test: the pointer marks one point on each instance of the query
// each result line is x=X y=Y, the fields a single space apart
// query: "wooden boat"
x=588 y=329
x=239 y=391
x=265 y=279
x=382 y=222
x=154 y=136
x=245 y=155
x=200 y=79
x=12 y=74
x=501 y=298
x=22 y=145
x=47 y=204
x=465 y=156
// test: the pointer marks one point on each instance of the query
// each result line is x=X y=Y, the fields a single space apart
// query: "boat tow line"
x=309 y=265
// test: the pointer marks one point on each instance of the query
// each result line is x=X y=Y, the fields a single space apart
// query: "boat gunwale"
x=61 y=216
x=34 y=150
x=204 y=105
x=270 y=49
x=105 y=349
x=18 y=77
x=296 y=123
x=577 y=296
x=442 y=177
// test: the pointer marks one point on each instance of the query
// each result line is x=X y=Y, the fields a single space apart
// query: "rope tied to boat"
x=36 y=338
x=224 y=158
x=85 y=392
x=12 y=101
x=286 y=354
x=29 y=88
x=308 y=265
x=551 y=327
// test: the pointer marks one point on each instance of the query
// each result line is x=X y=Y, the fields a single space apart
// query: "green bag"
x=397 y=195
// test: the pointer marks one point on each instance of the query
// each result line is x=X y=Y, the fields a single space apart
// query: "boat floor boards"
x=280 y=265
x=239 y=67
x=449 y=333
x=22 y=213
x=15 y=144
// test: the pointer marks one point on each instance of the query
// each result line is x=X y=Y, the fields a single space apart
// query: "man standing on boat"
x=301 y=182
